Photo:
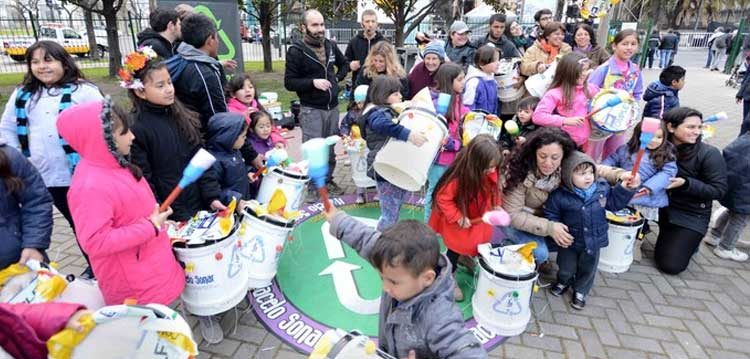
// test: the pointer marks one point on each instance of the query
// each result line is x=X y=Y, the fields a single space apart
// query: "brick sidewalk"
x=639 y=314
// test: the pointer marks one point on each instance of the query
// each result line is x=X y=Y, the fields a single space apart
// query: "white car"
x=70 y=39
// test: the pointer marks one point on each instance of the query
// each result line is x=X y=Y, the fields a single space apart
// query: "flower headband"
x=134 y=62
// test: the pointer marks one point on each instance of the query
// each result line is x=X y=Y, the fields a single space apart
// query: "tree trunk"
x=89 y=20
x=654 y=12
x=110 y=20
x=265 y=15
x=400 y=36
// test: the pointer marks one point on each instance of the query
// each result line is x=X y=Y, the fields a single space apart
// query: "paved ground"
x=701 y=313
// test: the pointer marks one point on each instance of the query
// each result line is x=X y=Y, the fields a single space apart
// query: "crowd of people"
x=106 y=169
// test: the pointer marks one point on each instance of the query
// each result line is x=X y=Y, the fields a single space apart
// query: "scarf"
x=317 y=46
x=22 y=124
x=550 y=49
x=585 y=193
x=583 y=50
x=548 y=183
x=520 y=41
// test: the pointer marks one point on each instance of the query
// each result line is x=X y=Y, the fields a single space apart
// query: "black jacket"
x=736 y=156
x=200 y=85
x=508 y=50
x=303 y=66
x=363 y=79
x=669 y=42
x=359 y=47
x=508 y=142
x=161 y=46
x=162 y=152
x=705 y=174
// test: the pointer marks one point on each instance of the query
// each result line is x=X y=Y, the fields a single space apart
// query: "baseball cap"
x=459 y=27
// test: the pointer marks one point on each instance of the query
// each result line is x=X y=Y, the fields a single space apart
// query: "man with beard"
x=459 y=49
x=164 y=31
x=310 y=73
x=496 y=38
x=541 y=19
x=360 y=45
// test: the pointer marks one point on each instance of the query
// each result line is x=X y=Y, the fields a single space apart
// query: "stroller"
x=735 y=77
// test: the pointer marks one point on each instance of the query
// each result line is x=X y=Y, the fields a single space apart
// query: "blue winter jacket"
x=26 y=215
x=377 y=125
x=653 y=95
x=223 y=130
x=653 y=179
x=737 y=198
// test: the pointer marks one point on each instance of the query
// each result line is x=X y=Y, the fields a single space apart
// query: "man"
x=495 y=37
x=164 y=31
x=718 y=48
x=310 y=73
x=667 y=48
x=541 y=18
x=459 y=49
x=359 y=46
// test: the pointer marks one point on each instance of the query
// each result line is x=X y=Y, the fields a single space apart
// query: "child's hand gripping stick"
x=612 y=102
x=316 y=152
x=649 y=126
x=274 y=157
x=201 y=161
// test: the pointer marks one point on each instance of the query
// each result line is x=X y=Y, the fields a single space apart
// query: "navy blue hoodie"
x=223 y=130
x=653 y=97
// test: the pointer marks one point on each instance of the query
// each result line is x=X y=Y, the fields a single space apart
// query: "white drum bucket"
x=404 y=164
x=293 y=184
x=539 y=83
x=358 y=157
x=338 y=344
x=502 y=301
x=624 y=227
x=83 y=291
x=615 y=119
x=508 y=77
x=263 y=241
x=215 y=279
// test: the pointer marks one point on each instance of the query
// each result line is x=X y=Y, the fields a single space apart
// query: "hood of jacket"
x=441 y=287
x=88 y=128
x=571 y=162
x=223 y=130
x=657 y=89
x=190 y=53
x=151 y=34
x=475 y=72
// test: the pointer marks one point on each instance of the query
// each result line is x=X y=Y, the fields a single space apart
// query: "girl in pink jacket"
x=243 y=98
x=565 y=105
x=116 y=216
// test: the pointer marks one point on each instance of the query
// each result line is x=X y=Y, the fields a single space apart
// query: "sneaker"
x=558 y=289
x=578 y=301
x=334 y=189
x=712 y=240
x=458 y=295
x=733 y=254
x=211 y=329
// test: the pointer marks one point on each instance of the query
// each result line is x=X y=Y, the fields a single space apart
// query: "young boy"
x=225 y=136
x=417 y=311
x=524 y=110
x=581 y=203
x=661 y=95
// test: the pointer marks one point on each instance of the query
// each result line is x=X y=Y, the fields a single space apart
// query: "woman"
x=545 y=50
x=382 y=61
x=514 y=33
x=701 y=179
x=585 y=43
x=423 y=74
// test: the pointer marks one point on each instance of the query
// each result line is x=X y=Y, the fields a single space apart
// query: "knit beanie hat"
x=436 y=47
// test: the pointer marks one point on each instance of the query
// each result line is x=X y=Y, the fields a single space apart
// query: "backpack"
x=175 y=65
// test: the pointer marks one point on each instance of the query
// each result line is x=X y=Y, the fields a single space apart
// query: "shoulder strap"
x=175 y=65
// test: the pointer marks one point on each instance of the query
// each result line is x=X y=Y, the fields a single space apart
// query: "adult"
x=496 y=37
x=459 y=49
x=717 y=32
x=544 y=51
x=382 y=61
x=359 y=46
x=164 y=31
x=667 y=48
x=423 y=74
x=743 y=94
x=718 y=49
x=585 y=43
x=701 y=179
x=541 y=19
x=653 y=46
x=314 y=67
x=514 y=33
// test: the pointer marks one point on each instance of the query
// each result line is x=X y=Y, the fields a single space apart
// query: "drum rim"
x=436 y=115
x=184 y=245
x=269 y=220
x=516 y=278
x=637 y=223
x=294 y=175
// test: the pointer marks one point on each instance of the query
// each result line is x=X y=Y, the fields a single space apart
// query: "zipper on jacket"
x=325 y=70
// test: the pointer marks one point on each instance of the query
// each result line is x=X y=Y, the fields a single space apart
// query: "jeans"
x=541 y=252
x=728 y=227
x=718 y=55
x=710 y=56
x=391 y=199
x=433 y=176
x=577 y=268
x=650 y=57
x=320 y=123
x=664 y=57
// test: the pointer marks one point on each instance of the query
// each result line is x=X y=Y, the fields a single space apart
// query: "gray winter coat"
x=430 y=323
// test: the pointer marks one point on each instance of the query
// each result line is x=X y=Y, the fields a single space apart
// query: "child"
x=449 y=79
x=580 y=204
x=480 y=92
x=418 y=317
x=468 y=189
x=26 y=209
x=730 y=224
x=661 y=95
x=620 y=73
x=242 y=95
x=52 y=83
x=116 y=215
x=25 y=328
x=377 y=126
x=353 y=143
x=261 y=133
x=565 y=105
x=225 y=136
x=524 y=110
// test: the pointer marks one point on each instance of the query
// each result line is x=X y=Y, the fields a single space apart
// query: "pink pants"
x=600 y=150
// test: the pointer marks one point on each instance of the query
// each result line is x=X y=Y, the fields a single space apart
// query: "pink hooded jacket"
x=235 y=105
x=25 y=328
x=110 y=209
x=551 y=112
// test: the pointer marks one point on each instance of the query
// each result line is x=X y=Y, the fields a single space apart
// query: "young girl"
x=620 y=73
x=225 y=136
x=242 y=96
x=480 y=92
x=52 y=83
x=468 y=189
x=449 y=79
x=377 y=126
x=261 y=133
x=565 y=105
x=116 y=215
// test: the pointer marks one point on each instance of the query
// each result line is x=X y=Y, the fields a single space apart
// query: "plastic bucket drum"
x=501 y=301
x=22 y=288
x=538 y=84
x=263 y=240
x=404 y=164
x=623 y=231
x=293 y=184
x=84 y=291
x=358 y=157
x=508 y=77
x=338 y=344
x=615 y=119
x=215 y=279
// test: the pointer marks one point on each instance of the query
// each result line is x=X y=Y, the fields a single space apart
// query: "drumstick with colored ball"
x=201 y=161
x=716 y=117
x=496 y=217
x=649 y=126
x=274 y=157
x=316 y=152
x=611 y=102
x=512 y=128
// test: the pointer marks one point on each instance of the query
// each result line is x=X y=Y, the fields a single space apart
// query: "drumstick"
x=649 y=126
x=497 y=217
x=316 y=152
x=716 y=117
x=200 y=162
x=611 y=102
x=274 y=157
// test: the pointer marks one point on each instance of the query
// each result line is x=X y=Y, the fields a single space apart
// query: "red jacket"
x=445 y=216
x=25 y=328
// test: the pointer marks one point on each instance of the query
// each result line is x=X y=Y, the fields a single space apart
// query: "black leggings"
x=674 y=247
x=60 y=198
x=453 y=258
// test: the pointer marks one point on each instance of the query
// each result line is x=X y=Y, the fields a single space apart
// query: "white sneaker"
x=711 y=240
x=733 y=254
x=211 y=329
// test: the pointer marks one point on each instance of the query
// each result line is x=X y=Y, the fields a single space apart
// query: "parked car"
x=100 y=34
x=70 y=39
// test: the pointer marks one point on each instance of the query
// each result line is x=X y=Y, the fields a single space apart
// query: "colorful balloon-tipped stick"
x=649 y=126
x=274 y=157
x=316 y=152
x=512 y=128
x=716 y=117
x=443 y=102
x=497 y=217
x=611 y=102
x=200 y=162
